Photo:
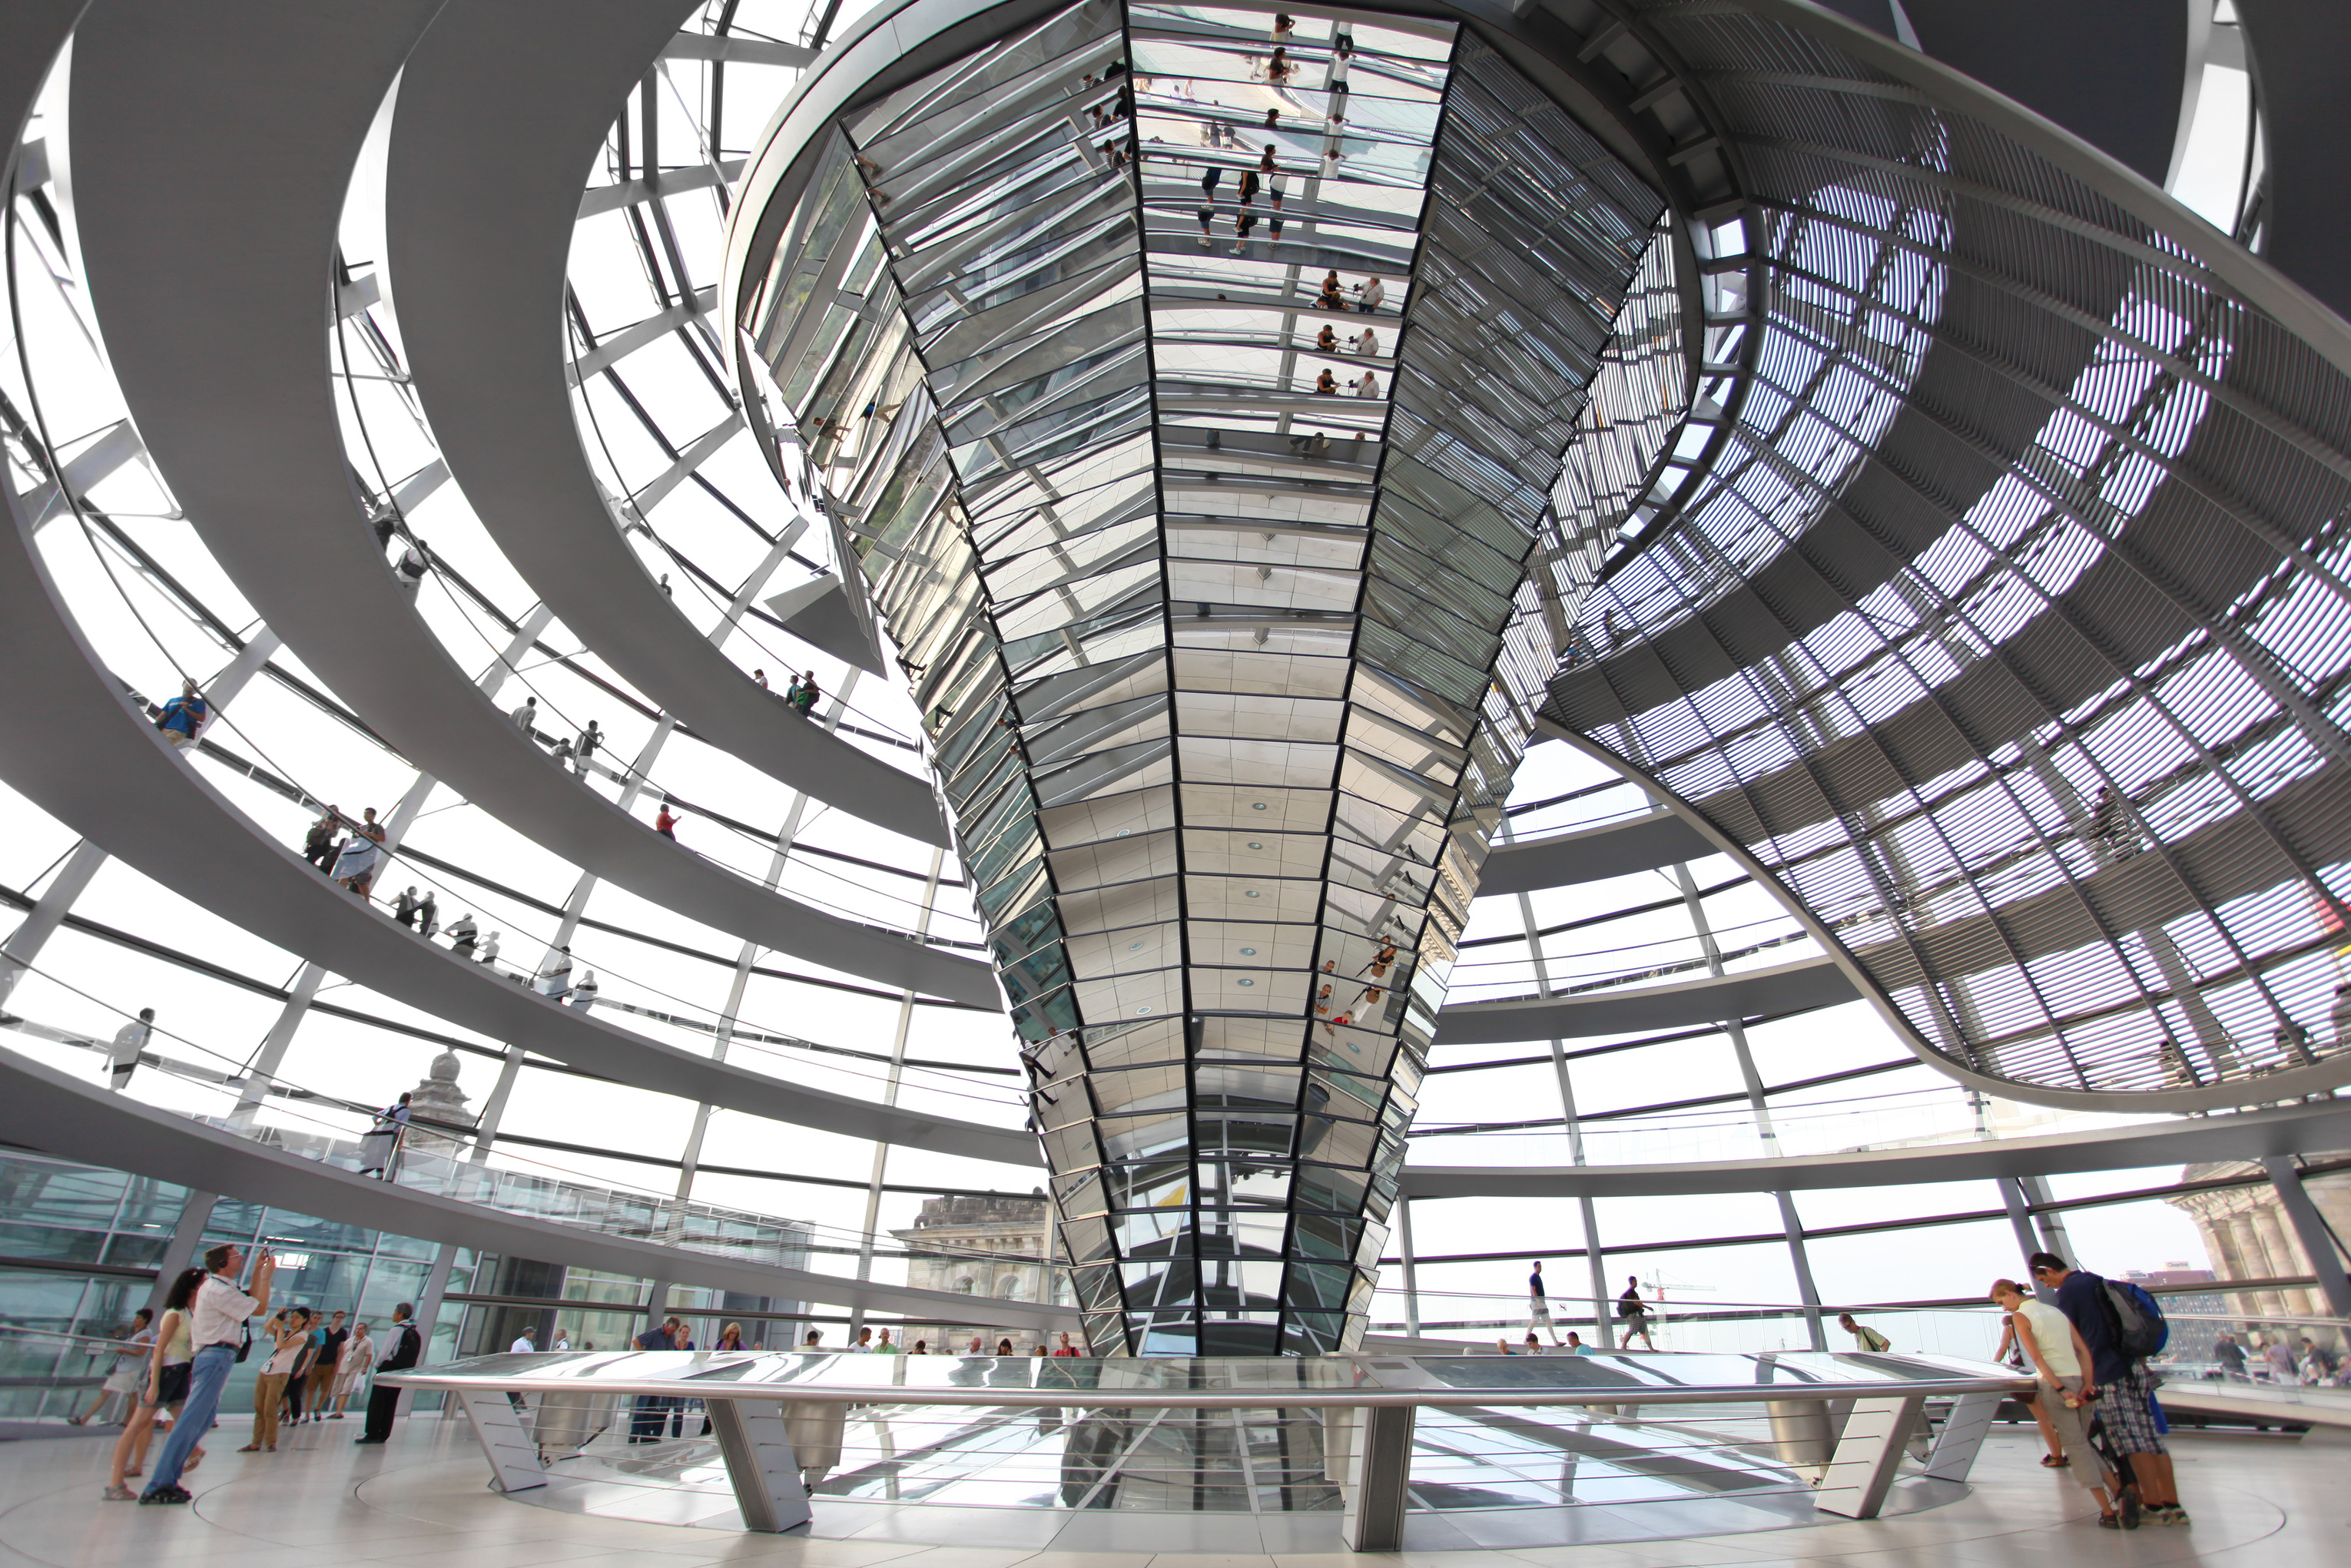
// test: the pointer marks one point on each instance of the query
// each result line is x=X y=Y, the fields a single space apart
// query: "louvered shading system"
x=2007 y=627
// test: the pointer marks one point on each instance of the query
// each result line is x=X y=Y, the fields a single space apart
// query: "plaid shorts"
x=2126 y=1409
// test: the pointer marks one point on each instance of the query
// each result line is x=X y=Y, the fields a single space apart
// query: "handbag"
x=244 y=1340
x=171 y=1384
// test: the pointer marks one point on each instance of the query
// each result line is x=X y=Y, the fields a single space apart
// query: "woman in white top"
x=129 y=1367
x=289 y=1332
x=352 y=1371
x=2053 y=1347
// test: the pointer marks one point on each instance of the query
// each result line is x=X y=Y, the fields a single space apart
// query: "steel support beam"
x=2319 y=1243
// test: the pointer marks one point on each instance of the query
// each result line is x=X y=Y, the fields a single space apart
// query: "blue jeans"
x=207 y=1375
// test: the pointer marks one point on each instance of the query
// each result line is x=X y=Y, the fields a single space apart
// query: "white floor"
x=2259 y=1503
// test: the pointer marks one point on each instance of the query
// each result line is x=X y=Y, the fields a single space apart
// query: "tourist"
x=583 y=995
x=526 y=717
x=219 y=1311
x=180 y=718
x=130 y=1358
x=162 y=1385
x=665 y=822
x=383 y=1402
x=380 y=1147
x=884 y=1347
x=1066 y=1348
x=2231 y=1355
x=1538 y=1305
x=288 y=1332
x=462 y=934
x=405 y=908
x=353 y=1366
x=1003 y=1347
x=1635 y=1313
x=1867 y=1338
x=318 y=843
x=2010 y=1352
x=129 y=1044
x=355 y=861
x=1575 y=1346
x=2061 y=1364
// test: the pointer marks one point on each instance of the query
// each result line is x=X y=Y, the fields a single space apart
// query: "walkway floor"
x=2259 y=1503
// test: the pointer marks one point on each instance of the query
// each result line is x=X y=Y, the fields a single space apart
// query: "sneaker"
x=165 y=1495
x=120 y=1494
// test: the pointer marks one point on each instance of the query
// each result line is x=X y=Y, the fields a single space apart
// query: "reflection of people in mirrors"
x=1327 y=341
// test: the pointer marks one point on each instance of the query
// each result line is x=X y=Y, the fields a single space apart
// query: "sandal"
x=2109 y=1522
x=2054 y=1461
x=250 y=1448
x=120 y=1494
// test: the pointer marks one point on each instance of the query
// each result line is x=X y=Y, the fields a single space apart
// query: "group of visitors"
x=349 y=851
x=573 y=754
x=1268 y=177
x=312 y=1361
x=2272 y=1358
x=801 y=696
x=1375 y=973
x=2088 y=1346
x=205 y=1330
x=353 y=862
x=1632 y=1311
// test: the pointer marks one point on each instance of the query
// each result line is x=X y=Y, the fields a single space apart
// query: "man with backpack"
x=2121 y=1326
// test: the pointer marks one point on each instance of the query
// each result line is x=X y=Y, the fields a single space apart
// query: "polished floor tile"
x=2259 y=1503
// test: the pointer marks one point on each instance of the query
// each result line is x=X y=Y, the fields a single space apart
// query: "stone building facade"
x=2248 y=1236
x=990 y=1249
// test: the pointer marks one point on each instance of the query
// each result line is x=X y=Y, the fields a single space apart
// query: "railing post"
x=1954 y=1453
x=498 y=1421
x=1379 y=1467
x=1868 y=1457
x=761 y=1464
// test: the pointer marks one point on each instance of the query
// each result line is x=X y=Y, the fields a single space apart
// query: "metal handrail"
x=1357 y=1399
